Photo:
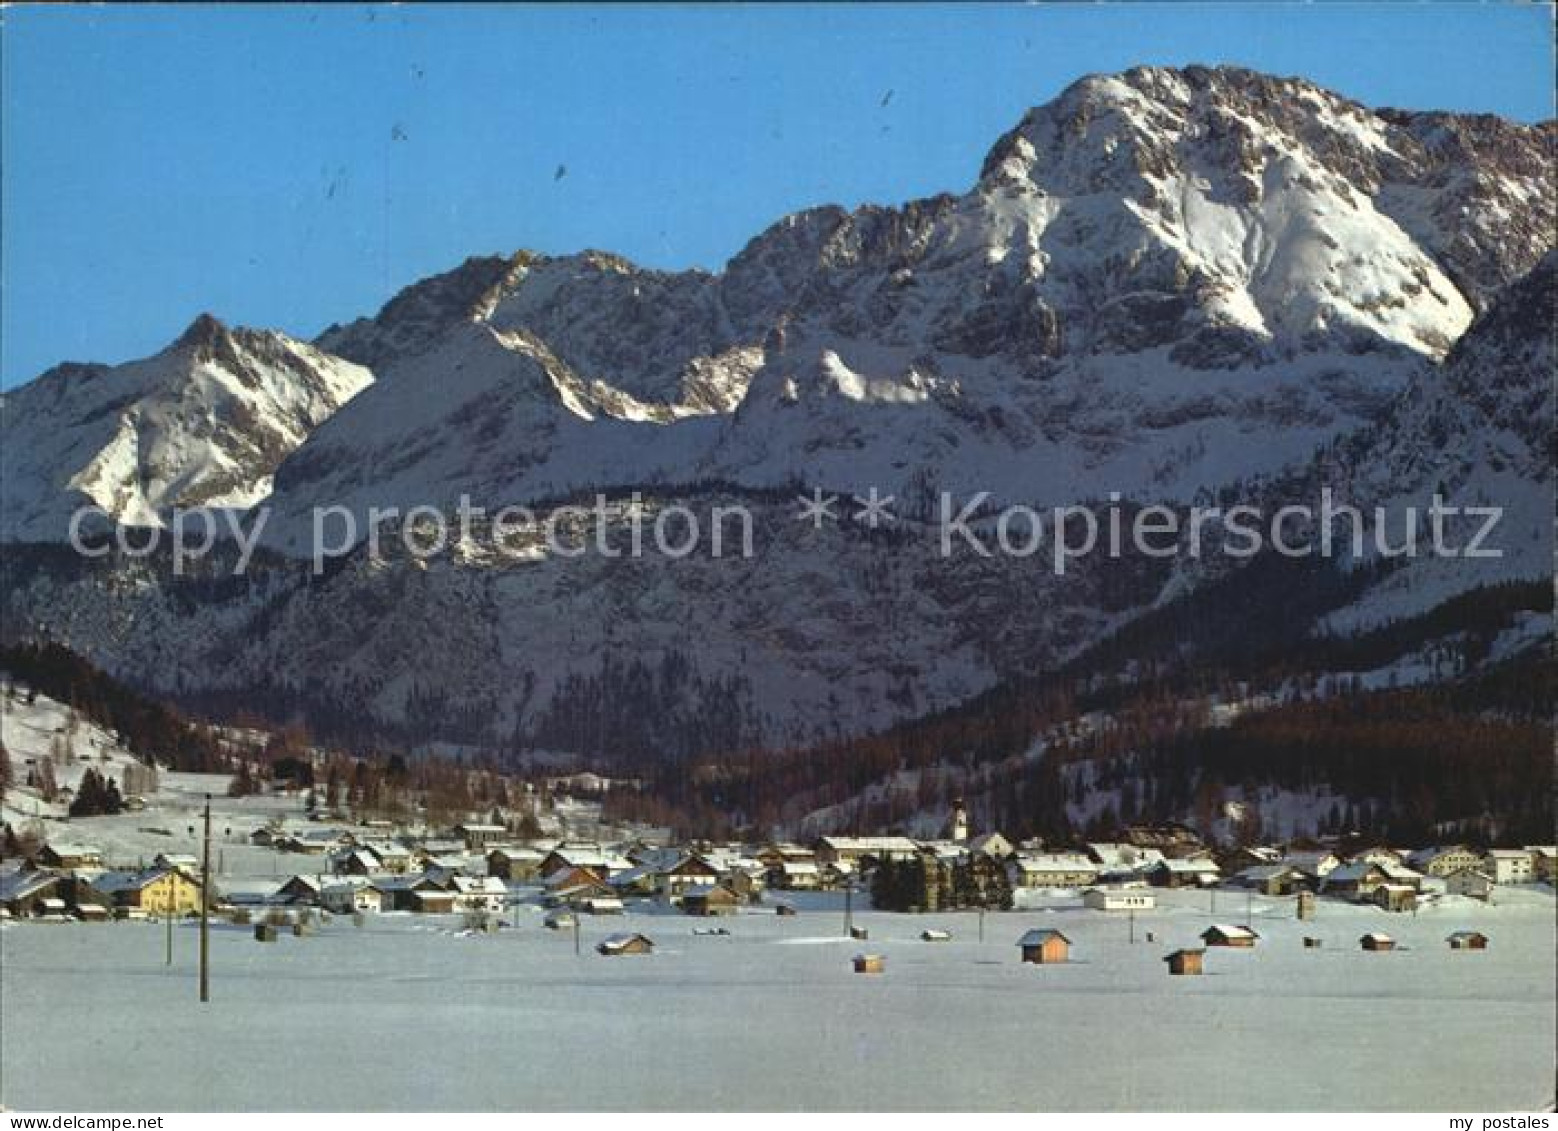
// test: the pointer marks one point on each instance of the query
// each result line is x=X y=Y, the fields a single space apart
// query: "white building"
x=1510 y=865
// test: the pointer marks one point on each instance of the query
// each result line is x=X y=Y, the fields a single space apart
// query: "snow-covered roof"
x=127 y=881
x=511 y=852
x=19 y=885
x=479 y=885
x=73 y=848
x=1315 y=863
x=1230 y=931
x=1056 y=862
x=1265 y=872
x=1200 y=866
x=871 y=844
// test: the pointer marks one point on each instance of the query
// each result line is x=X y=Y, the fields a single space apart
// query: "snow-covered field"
x=413 y=1013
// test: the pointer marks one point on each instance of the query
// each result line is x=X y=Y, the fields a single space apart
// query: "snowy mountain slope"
x=1168 y=284
x=1478 y=432
x=204 y=423
x=818 y=633
x=1161 y=281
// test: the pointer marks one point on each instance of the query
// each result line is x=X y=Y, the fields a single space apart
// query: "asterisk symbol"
x=874 y=509
x=817 y=509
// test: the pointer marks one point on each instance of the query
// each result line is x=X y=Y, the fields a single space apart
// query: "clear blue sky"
x=294 y=166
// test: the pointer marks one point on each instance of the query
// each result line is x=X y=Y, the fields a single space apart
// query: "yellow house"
x=157 y=891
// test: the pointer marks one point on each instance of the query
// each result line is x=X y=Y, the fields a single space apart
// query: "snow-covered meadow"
x=415 y=1013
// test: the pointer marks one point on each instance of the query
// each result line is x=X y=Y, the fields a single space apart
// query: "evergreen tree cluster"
x=96 y=796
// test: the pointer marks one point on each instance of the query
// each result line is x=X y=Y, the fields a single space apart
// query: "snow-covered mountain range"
x=1168 y=284
x=204 y=423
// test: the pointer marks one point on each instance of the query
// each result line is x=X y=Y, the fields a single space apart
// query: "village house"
x=1274 y=879
x=1119 y=862
x=598 y=860
x=690 y=871
x=479 y=893
x=1443 y=860
x=1510 y=866
x=301 y=890
x=1359 y=879
x=868 y=963
x=345 y=897
x=1052 y=870
x=1184 y=872
x=23 y=894
x=835 y=875
x=1248 y=856
x=66 y=856
x=776 y=853
x=796 y=875
x=1394 y=897
x=391 y=857
x=614 y=946
x=1468 y=940
x=1224 y=934
x=1171 y=839
x=1474 y=883
x=188 y=861
x=710 y=899
x=994 y=845
x=1317 y=864
x=434 y=901
x=1374 y=940
x=639 y=880
x=515 y=864
x=747 y=882
x=1185 y=961
x=1379 y=854
x=1118 y=899
x=857 y=850
x=354 y=862
x=404 y=893
x=569 y=877
x=1544 y=862
x=479 y=837
x=313 y=842
x=1043 y=946
x=155 y=891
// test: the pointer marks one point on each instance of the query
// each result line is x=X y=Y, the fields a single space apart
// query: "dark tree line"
x=151 y=730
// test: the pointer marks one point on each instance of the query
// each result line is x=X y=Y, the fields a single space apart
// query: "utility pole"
x=1133 y=925
x=576 y=949
x=849 y=907
x=205 y=910
x=981 y=922
x=167 y=918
